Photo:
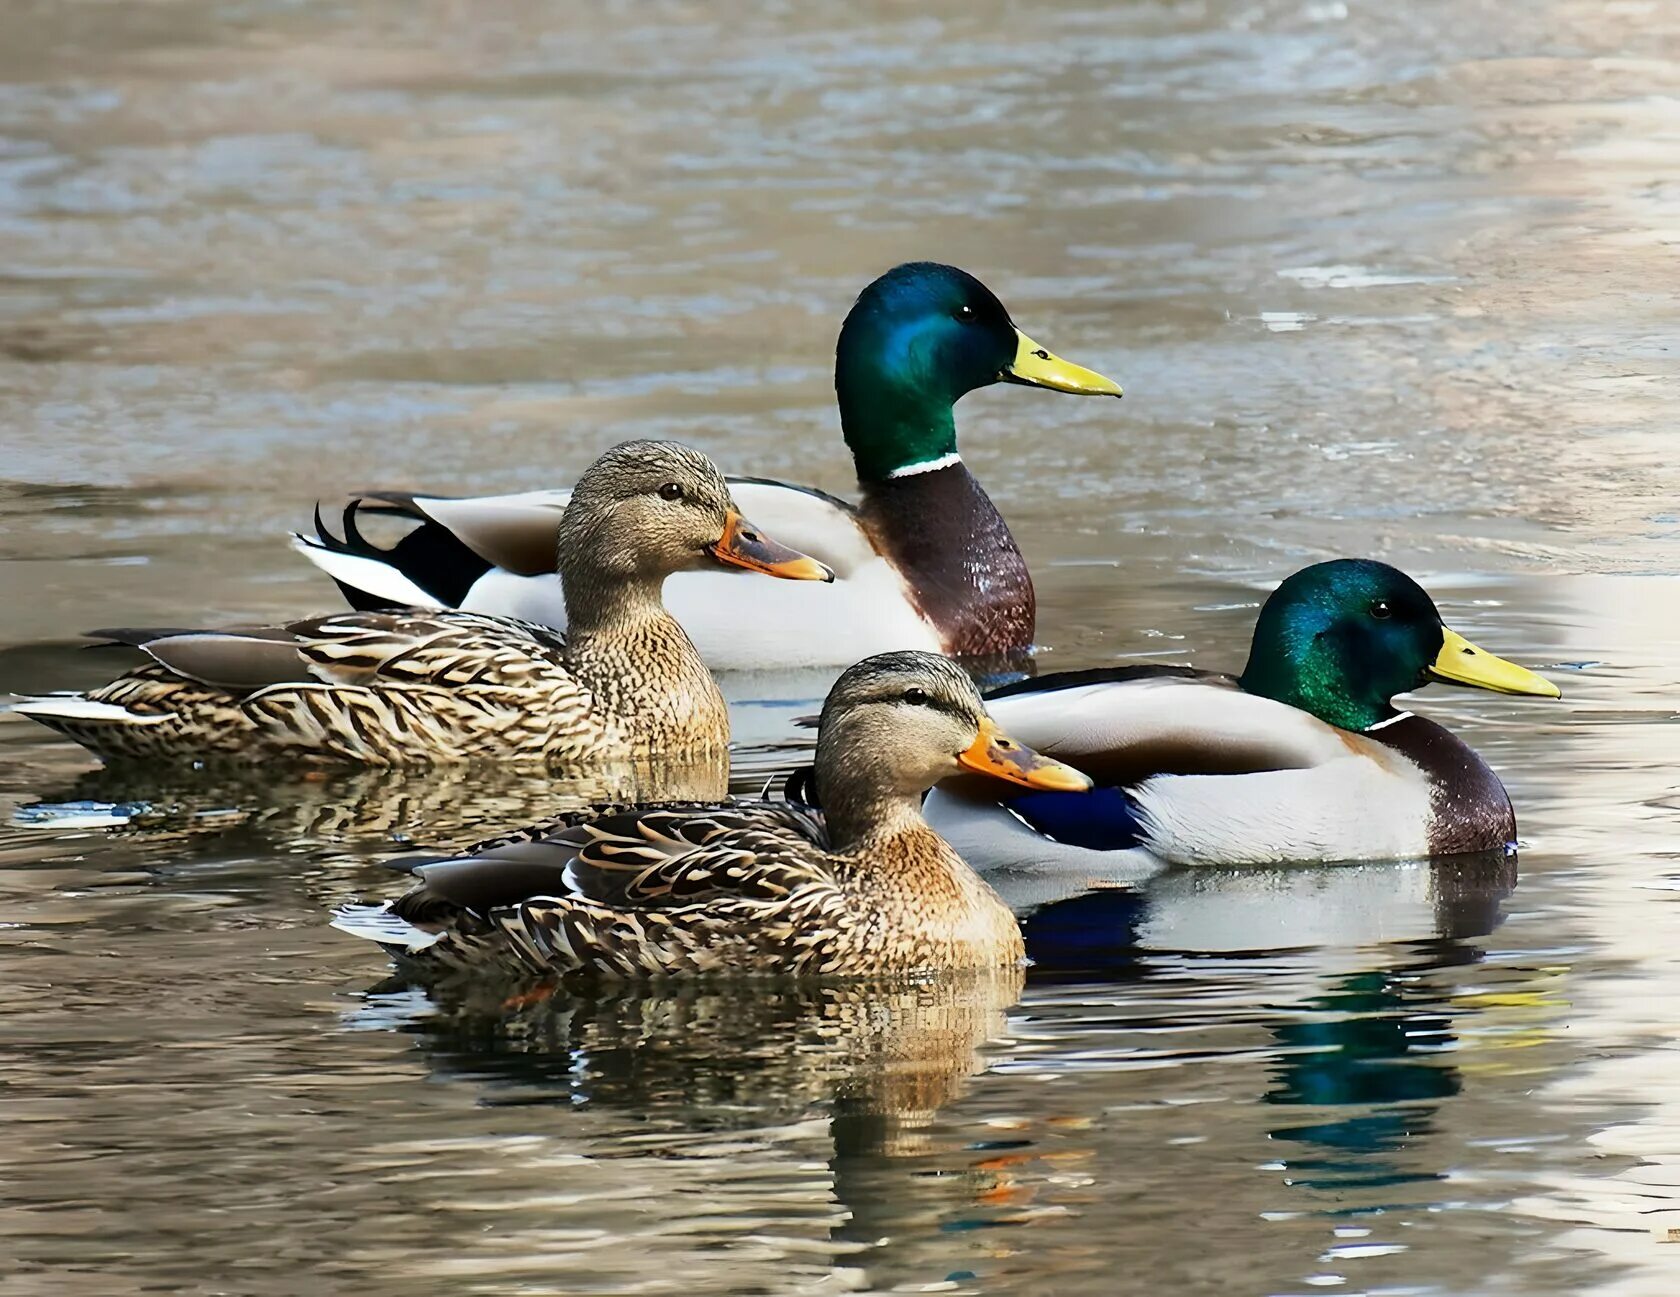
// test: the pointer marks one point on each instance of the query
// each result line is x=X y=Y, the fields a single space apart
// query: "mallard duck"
x=1301 y=757
x=924 y=561
x=863 y=887
x=421 y=687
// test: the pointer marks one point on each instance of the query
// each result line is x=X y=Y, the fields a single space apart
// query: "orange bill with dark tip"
x=995 y=753
x=744 y=545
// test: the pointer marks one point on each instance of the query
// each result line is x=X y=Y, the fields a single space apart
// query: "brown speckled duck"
x=419 y=687
x=862 y=888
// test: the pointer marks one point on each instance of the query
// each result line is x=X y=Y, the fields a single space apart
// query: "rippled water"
x=1390 y=279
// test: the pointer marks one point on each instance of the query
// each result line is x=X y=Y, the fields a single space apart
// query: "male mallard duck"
x=415 y=687
x=925 y=561
x=862 y=888
x=1302 y=757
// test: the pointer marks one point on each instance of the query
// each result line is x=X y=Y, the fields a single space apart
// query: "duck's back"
x=398 y=689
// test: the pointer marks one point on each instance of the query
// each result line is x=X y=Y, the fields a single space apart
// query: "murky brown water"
x=1392 y=279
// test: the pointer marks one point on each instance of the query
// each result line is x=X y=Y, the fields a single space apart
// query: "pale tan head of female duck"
x=896 y=724
x=648 y=509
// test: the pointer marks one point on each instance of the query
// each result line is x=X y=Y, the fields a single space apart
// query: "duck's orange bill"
x=744 y=545
x=995 y=753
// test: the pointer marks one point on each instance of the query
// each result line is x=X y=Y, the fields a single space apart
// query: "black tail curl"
x=431 y=555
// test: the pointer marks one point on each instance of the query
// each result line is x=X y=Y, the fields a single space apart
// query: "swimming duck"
x=862 y=888
x=1302 y=757
x=420 y=687
x=923 y=561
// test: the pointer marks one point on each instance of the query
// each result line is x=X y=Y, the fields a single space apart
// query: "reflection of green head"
x=919 y=338
x=1373 y=1046
x=1340 y=639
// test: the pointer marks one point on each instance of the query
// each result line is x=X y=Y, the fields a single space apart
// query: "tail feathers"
x=428 y=568
x=368 y=584
x=81 y=710
x=378 y=923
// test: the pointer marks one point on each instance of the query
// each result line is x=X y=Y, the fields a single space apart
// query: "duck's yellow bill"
x=1461 y=663
x=995 y=753
x=1036 y=367
x=744 y=545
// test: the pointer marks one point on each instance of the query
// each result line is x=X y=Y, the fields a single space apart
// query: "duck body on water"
x=456 y=653
x=417 y=687
x=923 y=561
x=862 y=887
x=1303 y=757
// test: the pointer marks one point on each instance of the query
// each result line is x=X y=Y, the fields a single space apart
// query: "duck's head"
x=919 y=338
x=1340 y=639
x=897 y=723
x=647 y=509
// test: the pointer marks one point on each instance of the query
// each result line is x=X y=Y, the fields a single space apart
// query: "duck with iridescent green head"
x=1303 y=757
x=923 y=561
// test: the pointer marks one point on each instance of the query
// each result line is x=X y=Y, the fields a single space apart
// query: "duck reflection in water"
x=1111 y=930
x=1374 y=1046
x=1376 y=1050
x=439 y=807
x=722 y=1053
x=813 y=1093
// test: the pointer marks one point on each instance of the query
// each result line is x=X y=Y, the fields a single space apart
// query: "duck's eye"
x=916 y=697
x=964 y=313
x=1381 y=610
x=671 y=491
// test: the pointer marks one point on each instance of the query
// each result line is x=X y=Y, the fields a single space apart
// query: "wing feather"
x=518 y=533
x=1120 y=731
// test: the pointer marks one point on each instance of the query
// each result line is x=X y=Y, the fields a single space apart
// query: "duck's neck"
x=609 y=603
x=1316 y=691
x=632 y=654
x=858 y=814
x=891 y=428
x=924 y=511
x=944 y=914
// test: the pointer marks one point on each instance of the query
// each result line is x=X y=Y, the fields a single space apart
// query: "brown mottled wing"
x=645 y=891
x=441 y=648
x=800 y=819
x=661 y=859
x=397 y=687
x=654 y=893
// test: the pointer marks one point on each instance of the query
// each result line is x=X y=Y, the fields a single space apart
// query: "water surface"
x=1379 y=279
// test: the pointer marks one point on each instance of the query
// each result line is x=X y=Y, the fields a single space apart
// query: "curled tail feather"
x=428 y=568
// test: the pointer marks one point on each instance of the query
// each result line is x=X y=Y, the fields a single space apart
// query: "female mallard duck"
x=1302 y=757
x=417 y=687
x=862 y=888
x=925 y=561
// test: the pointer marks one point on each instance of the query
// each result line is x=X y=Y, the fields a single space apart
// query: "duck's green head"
x=919 y=338
x=1340 y=639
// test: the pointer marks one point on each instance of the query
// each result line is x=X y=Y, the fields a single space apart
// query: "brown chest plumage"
x=961 y=566
x=654 y=687
x=1470 y=810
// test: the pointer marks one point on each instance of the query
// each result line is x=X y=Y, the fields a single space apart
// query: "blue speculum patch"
x=1103 y=819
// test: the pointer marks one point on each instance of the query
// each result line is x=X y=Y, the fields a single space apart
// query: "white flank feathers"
x=1354 y=808
x=1314 y=792
x=1211 y=717
x=76 y=707
x=377 y=923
